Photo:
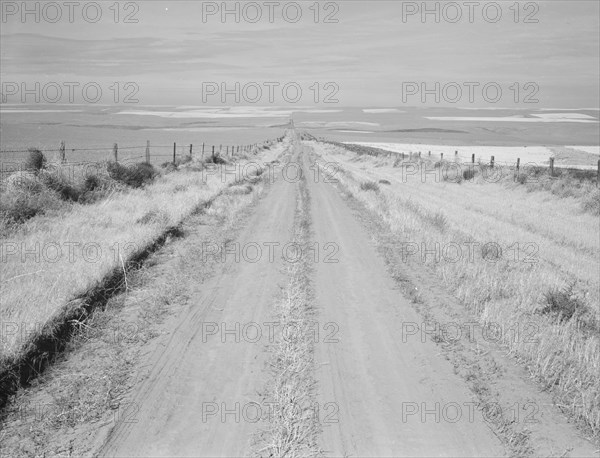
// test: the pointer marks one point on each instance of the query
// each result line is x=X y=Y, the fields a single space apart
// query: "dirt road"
x=395 y=398
x=206 y=367
x=382 y=389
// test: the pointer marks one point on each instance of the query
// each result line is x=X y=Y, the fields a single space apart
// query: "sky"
x=355 y=53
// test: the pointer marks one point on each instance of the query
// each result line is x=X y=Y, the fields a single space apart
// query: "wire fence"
x=13 y=160
x=456 y=158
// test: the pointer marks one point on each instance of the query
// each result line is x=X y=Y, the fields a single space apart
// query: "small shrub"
x=91 y=183
x=216 y=159
x=35 y=161
x=521 y=178
x=117 y=172
x=60 y=185
x=143 y=172
x=136 y=175
x=439 y=220
x=563 y=303
x=468 y=174
x=96 y=187
x=369 y=186
x=17 y=207
x=19 y=210
x=384 y=182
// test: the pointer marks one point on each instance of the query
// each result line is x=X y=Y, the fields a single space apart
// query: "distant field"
x=44 y=127
x=89 y=133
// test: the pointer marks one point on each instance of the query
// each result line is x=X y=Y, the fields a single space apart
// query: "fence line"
x=188 y=150
x=492 y=162
x=410 y=156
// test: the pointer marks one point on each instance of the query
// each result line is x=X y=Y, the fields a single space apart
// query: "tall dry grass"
x=547 y=242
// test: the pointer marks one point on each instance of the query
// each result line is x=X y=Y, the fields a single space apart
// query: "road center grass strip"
x=292 y=425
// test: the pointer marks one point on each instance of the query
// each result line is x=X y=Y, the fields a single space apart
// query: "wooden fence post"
x=115 y=152
x=202 y=150
x=441 y=157
x=551 y=166
x=191 y=150
x=213 y=154
x=147 y=151
x=492 y=162
x=456 y=156
x=174 y=151
x=473 y=158
x=517 y=169
x=429 y=153
x=63 y=158
x=419 y=154
x=598 y=174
